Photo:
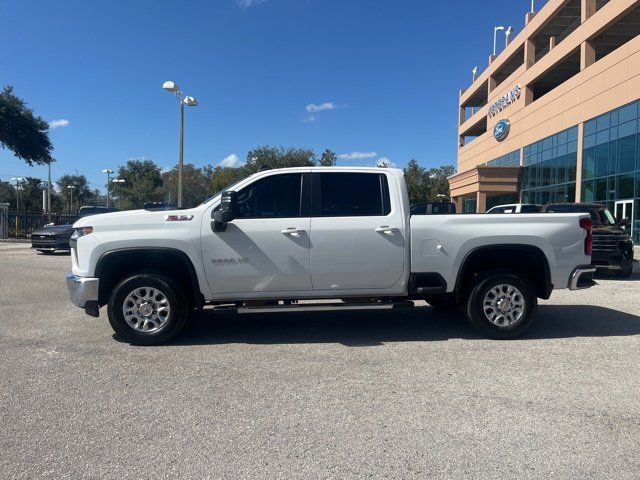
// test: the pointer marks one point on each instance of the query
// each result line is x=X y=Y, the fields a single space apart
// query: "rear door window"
x=351 y=195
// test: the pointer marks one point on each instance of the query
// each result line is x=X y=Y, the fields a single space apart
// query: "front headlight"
x=81 y=232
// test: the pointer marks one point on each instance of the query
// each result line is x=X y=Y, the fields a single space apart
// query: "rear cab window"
x=350 y=194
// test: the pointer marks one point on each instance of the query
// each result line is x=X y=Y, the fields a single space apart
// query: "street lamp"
x=495 y=33
x=532 y=6
x=507 y=34
x=118 y=180
x=473 y=73
x=71 y=188
x=173 y=88
x=18 y=181
x=108 y=172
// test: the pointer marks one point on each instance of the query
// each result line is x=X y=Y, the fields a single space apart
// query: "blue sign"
x=501 y=130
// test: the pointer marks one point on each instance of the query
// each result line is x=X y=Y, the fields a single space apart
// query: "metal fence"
x=21 y=224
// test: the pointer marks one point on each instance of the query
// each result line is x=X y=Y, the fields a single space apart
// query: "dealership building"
x=555 y=117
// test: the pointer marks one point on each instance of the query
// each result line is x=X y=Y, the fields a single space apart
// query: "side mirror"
x=226 y=212
x=624 y=222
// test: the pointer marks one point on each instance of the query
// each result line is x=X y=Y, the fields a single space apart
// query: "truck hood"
x=133 y=218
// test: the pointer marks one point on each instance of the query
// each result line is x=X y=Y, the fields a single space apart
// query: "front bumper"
x=84 y=293
x=582 y=277
x=50 y=243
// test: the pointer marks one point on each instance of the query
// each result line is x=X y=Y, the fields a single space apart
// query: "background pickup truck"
x=280 y=236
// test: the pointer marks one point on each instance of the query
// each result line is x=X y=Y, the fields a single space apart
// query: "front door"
x=624 y=210
x=266 y=247
x=357 y=233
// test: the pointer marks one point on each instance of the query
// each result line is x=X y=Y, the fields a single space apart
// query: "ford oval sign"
x=501 y=130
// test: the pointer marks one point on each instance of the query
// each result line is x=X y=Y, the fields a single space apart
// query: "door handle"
x=386 y=229
x=292 y=231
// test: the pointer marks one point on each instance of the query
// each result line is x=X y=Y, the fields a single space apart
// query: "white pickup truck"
x=281 y=236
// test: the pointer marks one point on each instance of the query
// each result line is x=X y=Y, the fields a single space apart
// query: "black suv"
x=612 y=245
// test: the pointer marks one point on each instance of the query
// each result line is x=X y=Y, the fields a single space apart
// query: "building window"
x=549 y=173
x=510 y=159
x=469 y=205
x=611 y=161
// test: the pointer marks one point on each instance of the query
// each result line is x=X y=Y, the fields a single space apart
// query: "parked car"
x=612 y=244
x=52 y=238
x=250 y=249
x=516 y=208
x=433 y=208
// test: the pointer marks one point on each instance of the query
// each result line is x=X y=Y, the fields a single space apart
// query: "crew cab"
x=282 y=236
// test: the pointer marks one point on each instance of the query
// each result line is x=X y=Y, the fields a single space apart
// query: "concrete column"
x=492 y=57
x=587 y=55
x=491 y=84
x=528 y=95
x=481 y=202
x=587 y=8
x=462 y=115
x=458 y=203
x=460 y=141
x=552 y=43
x=529 y=53
x=528 y=17
x=579 y=162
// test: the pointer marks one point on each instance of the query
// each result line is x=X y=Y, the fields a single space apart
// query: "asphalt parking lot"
x=407 y=394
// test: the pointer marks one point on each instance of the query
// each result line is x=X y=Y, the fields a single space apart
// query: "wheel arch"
x=115 y=265
x=527 y=260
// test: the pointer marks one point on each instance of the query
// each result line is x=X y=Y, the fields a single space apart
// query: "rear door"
x=357 y=232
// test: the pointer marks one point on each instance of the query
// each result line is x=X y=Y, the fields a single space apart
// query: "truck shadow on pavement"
x=371 y=328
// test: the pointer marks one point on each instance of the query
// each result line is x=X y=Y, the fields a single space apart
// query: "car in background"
x=52 y=238
x=612 y=244
x=516 y=208
x=433 y=208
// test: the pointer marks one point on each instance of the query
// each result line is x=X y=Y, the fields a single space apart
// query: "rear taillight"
x=587 y=224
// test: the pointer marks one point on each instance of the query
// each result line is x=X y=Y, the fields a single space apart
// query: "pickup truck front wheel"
x=502 y=306
x=147 y=309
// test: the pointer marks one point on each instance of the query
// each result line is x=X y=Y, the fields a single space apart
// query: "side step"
x=319 y=307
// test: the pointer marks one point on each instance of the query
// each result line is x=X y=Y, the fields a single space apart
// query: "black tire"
x=501 y=328
x=626 y=271
x=167 y=326
x=445 y=301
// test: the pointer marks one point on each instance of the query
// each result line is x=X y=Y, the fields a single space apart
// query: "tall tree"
x=328 y=158
x=142 y=182
x=279 y=157
x=75 y=197
x=22 y=132
x=194 y=186
x=415 y=178
x=8 y=194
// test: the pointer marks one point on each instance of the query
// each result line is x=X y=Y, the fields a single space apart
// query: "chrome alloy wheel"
x=503 y=305
x=146 y=309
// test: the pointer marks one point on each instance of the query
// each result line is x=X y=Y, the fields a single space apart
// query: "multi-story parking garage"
x=555 y=116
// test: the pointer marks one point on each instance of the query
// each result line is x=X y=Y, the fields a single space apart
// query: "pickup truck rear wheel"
x=502 y=306
x=147 y=309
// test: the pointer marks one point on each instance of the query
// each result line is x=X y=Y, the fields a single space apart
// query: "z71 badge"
x=178 y=218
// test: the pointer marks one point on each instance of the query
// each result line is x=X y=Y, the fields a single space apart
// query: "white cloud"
x=249 y=3
x=357 y=155
x=58 y=123
x=231 y=161
x=385 y=161
x=312 y=107
x=310 y=118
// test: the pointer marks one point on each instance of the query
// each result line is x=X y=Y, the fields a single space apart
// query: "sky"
x=368 y=79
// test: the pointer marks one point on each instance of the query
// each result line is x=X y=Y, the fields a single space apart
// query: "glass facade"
x=549 y=173
x=611 y=161
x=510 y=159
x=469 y=205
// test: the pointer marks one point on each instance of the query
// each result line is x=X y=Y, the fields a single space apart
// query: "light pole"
x=507 y=34
x=532 y=6
x=173 y=88
x=49 y=193
x=18 y=181
x=473 y=74
x=120 y=181
x=70 y=188
x=108 y=172
x=495 y=33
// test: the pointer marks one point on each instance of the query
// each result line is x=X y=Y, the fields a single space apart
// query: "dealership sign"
x=507 y=99
x=501 y=130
